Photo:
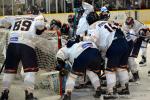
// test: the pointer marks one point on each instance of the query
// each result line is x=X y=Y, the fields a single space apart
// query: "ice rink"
x=138 y=91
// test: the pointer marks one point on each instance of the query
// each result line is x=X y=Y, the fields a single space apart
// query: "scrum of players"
x=97 y=48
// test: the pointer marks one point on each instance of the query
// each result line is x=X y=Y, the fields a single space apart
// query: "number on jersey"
x=23 y=25
x=107 y=26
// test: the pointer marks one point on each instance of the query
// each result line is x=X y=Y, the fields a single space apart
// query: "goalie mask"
x=104 y=15
x=129 y=22
x=92 y=17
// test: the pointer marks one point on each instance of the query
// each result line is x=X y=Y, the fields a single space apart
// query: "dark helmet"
x=80 y=11
x=33 y=10
x=28 y=11
x=92 y=17
x=70 y=43
x=42 y=10
x=104 y=15
x=129 y=21
x=65 y=29
x=59 y=23
x=55 y=22
x=71 y=18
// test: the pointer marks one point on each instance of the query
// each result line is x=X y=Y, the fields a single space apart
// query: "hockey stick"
x=74 y=23
x=2 y=67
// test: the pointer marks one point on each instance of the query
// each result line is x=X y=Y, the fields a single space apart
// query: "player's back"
x=104 y=33
x=23 y=25
x=78 y=48
x=23 y=29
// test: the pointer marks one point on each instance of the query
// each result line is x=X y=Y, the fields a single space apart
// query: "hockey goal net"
x=3 y=44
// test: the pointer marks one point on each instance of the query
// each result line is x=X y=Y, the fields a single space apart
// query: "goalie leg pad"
x=94 y=79
x=29 y=81
x=7 y=80
x=70 y=83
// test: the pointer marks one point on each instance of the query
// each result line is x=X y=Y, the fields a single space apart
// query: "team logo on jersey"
x=87 y=45
x=14 y=39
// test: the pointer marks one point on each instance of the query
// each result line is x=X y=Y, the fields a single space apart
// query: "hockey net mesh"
x=3 y=43
x=46 y=49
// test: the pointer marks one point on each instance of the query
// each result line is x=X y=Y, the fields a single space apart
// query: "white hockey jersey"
x=102 y=33
x=73 y=52
x=23 y=28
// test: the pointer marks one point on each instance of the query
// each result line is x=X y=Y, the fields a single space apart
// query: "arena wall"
x=120 y=16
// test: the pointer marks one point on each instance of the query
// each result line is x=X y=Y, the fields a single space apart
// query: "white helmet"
x=104 y=9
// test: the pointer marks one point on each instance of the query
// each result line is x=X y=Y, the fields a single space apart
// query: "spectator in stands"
x=68 y=6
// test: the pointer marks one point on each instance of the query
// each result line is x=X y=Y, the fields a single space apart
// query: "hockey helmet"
x=129 y=21
x=65 y=29
x=71 y=18
x=55 y=23
x=104 y=15
x=92 y=17
x=33 y=10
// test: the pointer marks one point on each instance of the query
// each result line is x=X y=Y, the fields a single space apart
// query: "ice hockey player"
x=21 y=48
x=81 y=28
x=135 y=32
x=113 y=45
x=85 y=58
